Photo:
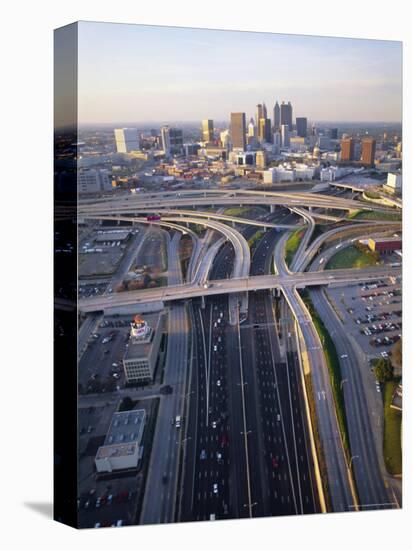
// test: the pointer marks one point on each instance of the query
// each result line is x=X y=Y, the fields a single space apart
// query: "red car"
x=275 y=463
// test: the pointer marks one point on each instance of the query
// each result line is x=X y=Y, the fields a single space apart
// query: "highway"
x=164 y=461
x=245 y=284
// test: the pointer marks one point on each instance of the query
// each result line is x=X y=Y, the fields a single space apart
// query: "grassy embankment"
x=392 y=449
x=357 y=256
x=292 y=244
x=372 y=215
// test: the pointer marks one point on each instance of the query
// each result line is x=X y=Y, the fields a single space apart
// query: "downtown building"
x=207 y=131
x=127 y=140
x=347 y=149
x=140 y=358
x=238 y=130
x=172 y=140
x=286 y=115
x=93 y=181
x=368 y=151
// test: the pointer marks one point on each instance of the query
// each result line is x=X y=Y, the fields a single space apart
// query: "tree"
x=397 y=353
x=383 y=370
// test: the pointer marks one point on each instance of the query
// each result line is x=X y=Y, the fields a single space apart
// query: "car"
x=86 y=504
x=109 y=499
x=219 y=457
x=98 y=502
x=378 y=388
x=203 y=454
x=344 y=356
x=275 y=462
x=215 y=488
x=115 y=365
x=384 y=354
x=214 y=424
x=278 y=417
x=97 y=525
x=214 y=348
x=165 y=479
x=218 y=383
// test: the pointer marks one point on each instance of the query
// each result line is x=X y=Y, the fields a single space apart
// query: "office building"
x=368 y=151
x=264 y=111
x=333 y=133
x=302 y=126
x=93 y=181
x=121 y=449
x=251 y=129
x=261 y=159
x=172 y=140
x=225 y=138
x=277 y=142
x=347 y=149
x=276 y=116
x=207 y=131
x=265 y=131
x=285 y=135
x=140 y=358
x=127 y=140
x=259 y=112
x=238 y=130
x=286 y=115
x=298 y=145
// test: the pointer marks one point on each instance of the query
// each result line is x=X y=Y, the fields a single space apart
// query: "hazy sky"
x=132 y=73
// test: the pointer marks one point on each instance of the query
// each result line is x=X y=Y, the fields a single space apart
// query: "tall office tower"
x=225 y=138
x=238 y=130
x=276 y=116
x=277 y=140
x=368 y=151
x=286 y=114
x=302 y=126
x=251 y=129
x=264 y=111
x=207 y=130
x=265 y=130
x=347 y=149
x=172 y=140
x=127 y=140
x=285 y=135
x=259 y=112
x=333 y=133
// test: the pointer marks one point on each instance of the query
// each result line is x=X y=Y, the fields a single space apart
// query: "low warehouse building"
x=385 y=245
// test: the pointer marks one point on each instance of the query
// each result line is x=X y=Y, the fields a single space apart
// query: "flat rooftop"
x=125 y=427
x=112 y=236
x=386 y=240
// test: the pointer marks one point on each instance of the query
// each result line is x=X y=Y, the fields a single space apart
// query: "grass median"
x=335 y=374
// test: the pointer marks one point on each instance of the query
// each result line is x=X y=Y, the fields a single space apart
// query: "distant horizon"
x=130 y=72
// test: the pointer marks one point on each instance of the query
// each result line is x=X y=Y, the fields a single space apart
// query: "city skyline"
x=352 y=79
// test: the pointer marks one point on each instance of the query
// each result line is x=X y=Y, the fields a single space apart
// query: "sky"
x=138 y=74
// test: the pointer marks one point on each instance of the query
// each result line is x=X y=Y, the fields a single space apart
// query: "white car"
x=218 y=383
x=214 y=348
x=343 y=356
x=213 y=424
x=215 y=488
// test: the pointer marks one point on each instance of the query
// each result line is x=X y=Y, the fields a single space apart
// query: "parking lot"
x=372 y=313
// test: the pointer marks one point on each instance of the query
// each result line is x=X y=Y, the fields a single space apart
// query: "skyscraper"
x=368 y=151
x=238 y=130
x=285 y=135
x=207 y=130
x=276 y=116
x=127 y=140
x=265 y=130
x=302 y=126
x=286 y=114
x=333 y=133
x=259 y=113
x=172 y=140
x=251 y=131
x=347 y=149
x=264 y=111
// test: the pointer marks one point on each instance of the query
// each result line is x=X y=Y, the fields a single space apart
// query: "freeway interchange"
x=241 y=346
